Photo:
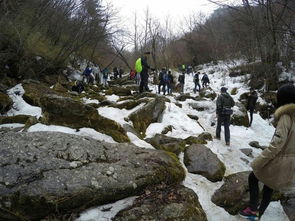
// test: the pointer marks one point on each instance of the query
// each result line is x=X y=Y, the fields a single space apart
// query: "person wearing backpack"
x=142 y=67
x=105 y=76
x=275 y=166
x=224 y=103
x=205 y=80
x=181 y=79
x=170 y=82
x=87 y=74
x=163 y=80
x=197 y=82
x=251 y=104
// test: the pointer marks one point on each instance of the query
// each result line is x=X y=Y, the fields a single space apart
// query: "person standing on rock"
x=144 y=75
x=275 y=166
x=251 y=104
x=181 y=80
x=170 y=82
x=205 y=80
x=224 y=103
x=197 y=82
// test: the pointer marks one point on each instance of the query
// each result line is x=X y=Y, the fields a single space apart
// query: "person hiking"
x=163 y=80
x=87 y=75
x=121 y=72
x=170 y=82
x=78 y=87
x=224 y=103
x=197 y=82
x=205 y=80
x=105 y=76
x=116 y=72
x=144 y=75
x=275 y=166
x=132 y=74
x=251 y=104
x=181 y=80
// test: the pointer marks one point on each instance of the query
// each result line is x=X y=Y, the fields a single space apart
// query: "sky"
x=160 y=9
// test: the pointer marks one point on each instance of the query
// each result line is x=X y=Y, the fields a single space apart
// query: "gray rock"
x=178 y=204
x=201 y=160
x=233 y=195
x=240 y=116
x=194 y=117
x=289 y=206
x=183 y=97
x=149 y=113
x=5 y=103
x=163 y=142
x=255 y=144
x=48 y=172
x=247 y=151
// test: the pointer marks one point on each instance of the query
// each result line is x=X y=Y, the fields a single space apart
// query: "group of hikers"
x=275 y=166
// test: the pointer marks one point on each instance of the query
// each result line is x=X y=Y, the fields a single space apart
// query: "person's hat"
x=223 y=89
x=286 y=95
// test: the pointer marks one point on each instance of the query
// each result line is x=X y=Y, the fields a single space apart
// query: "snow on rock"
x=19 y=105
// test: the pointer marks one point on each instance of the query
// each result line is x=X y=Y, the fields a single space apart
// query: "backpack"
x=165 y=77
x=138 y=65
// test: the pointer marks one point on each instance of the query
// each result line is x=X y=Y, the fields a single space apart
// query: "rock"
x=255 y=144
x=194 y=117
x=247 y=152
x=163 y=142
x=176 y=203
x=198 y=106
x=233 y=195
x=5 y=103
x=145 y=94
x=289 y=206
x=21 y=119
x=183 y=97
x=128 y=105
x=245 y=160
x=194 y=140
x=59 y=88
x=240 y=116
x=205 y=136
x=207 y=93
x=49 y=172
x=120 y=91
x=68 y=112
x=201 y=160
x=149 y=113
x=234 y=91
x=178 y=104
x=167 y=129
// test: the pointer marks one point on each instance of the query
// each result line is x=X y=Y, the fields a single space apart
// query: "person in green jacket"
x=224 y=104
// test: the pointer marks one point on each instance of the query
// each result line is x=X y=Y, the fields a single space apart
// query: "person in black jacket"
x=144 y=75
x=251 y=103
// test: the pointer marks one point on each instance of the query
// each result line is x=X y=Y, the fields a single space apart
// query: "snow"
x=88 y=132
x=11 y=126
x=106 y=212
x=182 y=127
x=19 y=105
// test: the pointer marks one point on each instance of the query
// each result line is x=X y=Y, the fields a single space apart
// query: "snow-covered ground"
x=183 y=127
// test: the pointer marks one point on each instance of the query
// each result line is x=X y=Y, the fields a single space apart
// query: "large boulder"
x=183 y=97
x=240 y=116
x=5 y=103
x=48 y=172
x=128 y=105
x=149 y=113
x=176 y=203
x=21 y=119
x=233 y=195
x=208 y=93
x=163 y=142
x=201 y=160
x=289 y=206
x=71 y=113
x=120 y=91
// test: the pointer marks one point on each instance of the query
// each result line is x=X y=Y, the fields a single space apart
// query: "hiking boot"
x=218 y=138
x=248 y=213
x=227 y=143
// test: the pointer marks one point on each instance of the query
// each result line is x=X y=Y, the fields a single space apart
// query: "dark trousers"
x=197 y=84
x=251 y=115
x=254 y=195
x=225 y=119
x=143 y=85
x=164 y=87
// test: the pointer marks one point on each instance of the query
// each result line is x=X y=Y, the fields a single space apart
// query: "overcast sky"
x=160 y=9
